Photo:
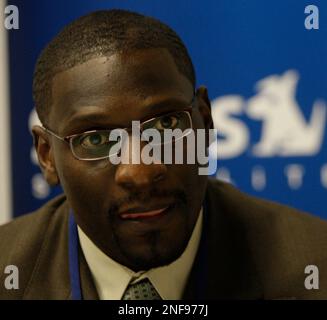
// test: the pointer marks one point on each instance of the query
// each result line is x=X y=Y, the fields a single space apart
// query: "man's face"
x=111 y=92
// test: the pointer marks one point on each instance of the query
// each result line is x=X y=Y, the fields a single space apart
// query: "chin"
x=155 y=253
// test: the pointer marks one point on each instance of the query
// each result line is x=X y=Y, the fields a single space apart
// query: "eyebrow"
x=98 y=119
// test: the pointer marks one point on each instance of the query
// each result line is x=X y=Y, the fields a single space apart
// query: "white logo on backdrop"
x=286 y=131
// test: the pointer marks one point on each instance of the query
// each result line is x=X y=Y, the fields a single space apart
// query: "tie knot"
x=142 y=290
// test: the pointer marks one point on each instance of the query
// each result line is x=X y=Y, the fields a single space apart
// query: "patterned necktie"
x=142 y=290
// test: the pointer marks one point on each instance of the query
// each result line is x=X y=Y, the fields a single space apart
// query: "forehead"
x=118 y=88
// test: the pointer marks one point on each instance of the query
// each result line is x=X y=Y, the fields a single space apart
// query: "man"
x=135 y=230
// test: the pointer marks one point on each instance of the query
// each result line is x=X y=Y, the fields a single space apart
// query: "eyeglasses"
x=98 y=144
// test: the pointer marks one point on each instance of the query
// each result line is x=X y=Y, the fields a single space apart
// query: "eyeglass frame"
x=68 y=139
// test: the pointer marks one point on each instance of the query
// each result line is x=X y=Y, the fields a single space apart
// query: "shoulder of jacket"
x=251 y=207
x=22 y=239
x=33 y=220
x=282 y=241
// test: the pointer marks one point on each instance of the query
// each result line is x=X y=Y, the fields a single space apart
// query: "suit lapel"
x=224 y=267
x=50 y=276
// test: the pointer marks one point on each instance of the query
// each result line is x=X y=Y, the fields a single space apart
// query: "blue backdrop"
x=266 y=76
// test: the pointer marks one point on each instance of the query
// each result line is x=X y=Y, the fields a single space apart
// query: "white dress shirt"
x=111 y=278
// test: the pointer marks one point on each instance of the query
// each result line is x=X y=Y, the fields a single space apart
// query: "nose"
x=138 y=175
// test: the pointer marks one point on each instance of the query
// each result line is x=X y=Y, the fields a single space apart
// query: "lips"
x=144 y=212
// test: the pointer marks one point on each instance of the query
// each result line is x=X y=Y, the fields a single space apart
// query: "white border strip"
x=5 y=149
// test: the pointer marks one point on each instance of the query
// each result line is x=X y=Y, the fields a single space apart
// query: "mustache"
x=177 y=195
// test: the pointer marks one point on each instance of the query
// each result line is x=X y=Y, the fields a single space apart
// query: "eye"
x=166 y=122
x=93 y=140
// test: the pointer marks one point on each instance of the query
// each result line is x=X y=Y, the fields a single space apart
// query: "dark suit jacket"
x=250 y=249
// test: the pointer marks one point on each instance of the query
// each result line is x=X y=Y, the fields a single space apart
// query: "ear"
x=205 y=111
x=45 y=156
x=204 y=106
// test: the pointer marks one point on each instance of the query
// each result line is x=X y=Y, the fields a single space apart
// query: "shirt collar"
x=111 y=278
